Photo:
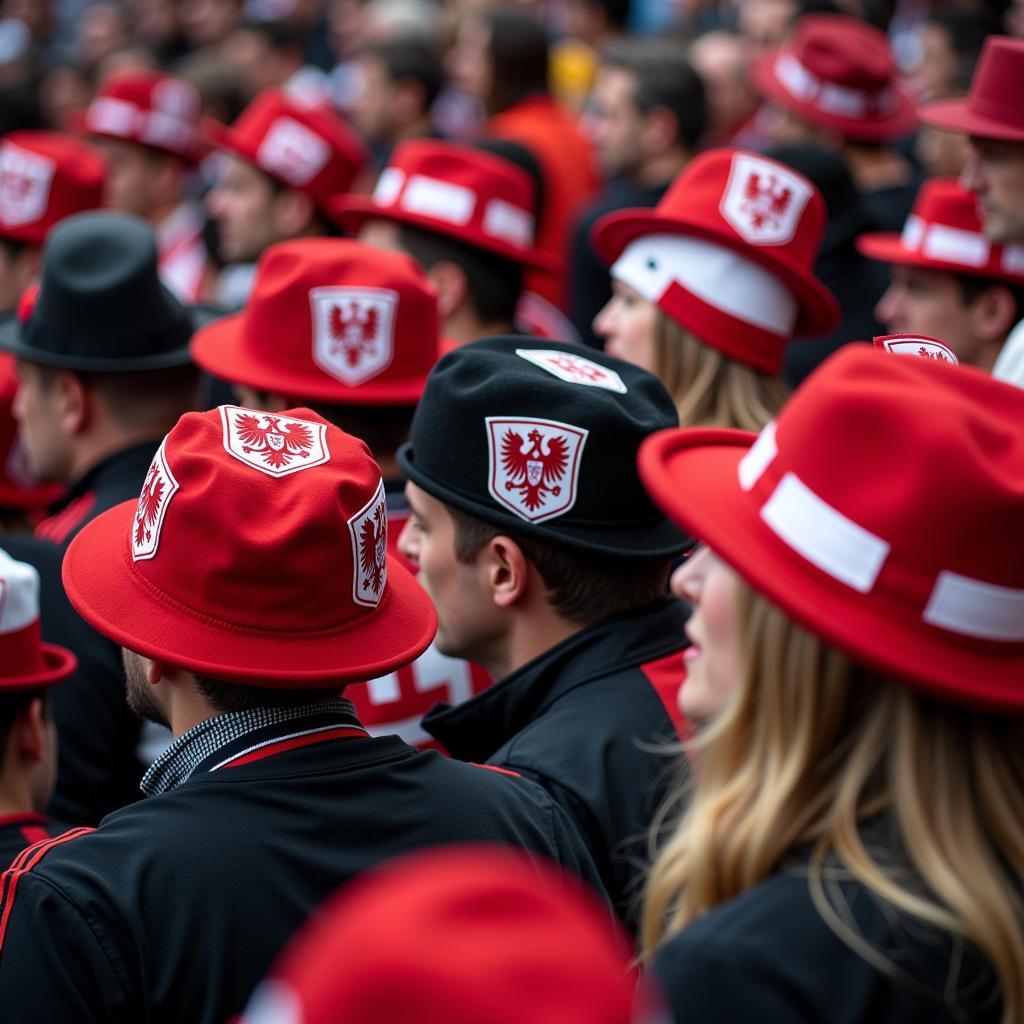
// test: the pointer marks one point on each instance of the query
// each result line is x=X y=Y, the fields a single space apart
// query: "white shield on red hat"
x=24 y=185
x=353 y=331
x=920 y=346
x=573 y=369
x=369 y=531
x=763 y=201
x=157 y=491
x=293 y=152
x=534 y=465
x=274 y=444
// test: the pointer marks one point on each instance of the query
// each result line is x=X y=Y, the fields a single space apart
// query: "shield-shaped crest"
x=573 y=369
x=368 y=529
x=24 y=185
x=157 y=491
x=763 y=201
x=353 y=331
x=293 y=152
x=534 y=465
x=274 y=444
x=913 y=345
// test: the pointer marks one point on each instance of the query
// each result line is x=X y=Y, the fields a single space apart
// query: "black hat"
x=541 y=437
x=101 y=305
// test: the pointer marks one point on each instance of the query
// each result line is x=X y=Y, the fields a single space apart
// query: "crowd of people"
x=511 y=513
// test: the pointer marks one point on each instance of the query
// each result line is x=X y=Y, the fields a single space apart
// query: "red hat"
x=992 y=109
x=330 y=320
x=920 y=346
x=256 y=553
x=728 y=254
x=25 y=661
x=882 y=510
x=944 y=232
x=459 y=936
x=838 y=72
x=45 y=177
x=307 y=148
x=147 y=107
x=471 y=196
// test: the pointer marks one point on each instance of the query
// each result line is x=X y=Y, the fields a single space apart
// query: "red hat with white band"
x=727 y=254
x=944 y=232
x=839 y=73
x=45 y=177
x=331 y=320
x=468 y=195
x=882 y=511
x=25 y=661
x=150 y=108
x=256 y=553
x=305 y=147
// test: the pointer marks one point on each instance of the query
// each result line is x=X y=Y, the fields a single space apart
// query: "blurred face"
x=372 y=110
x=933 y=77
x=469 y=62
x=129 y=176
x=995 y=174
x=943 y=154
x=614 y=123
x=721 y=61
x=627 y=326
x=37 y=411
x=242 y=205
x=381 y=234
x=714 y=657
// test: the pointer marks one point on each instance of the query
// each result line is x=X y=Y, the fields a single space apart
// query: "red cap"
x=944 y=232
x=256 y=553
x=728 y=253
x=307 y=148
x=838 y=72
x=459 y=936
x=992 y=109
x=920 y=346
x=881 y=511
x=471 y=196
x=45 y=177
x=330 y=320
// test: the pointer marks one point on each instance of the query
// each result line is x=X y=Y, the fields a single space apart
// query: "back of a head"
x=410 y=58
x=519 y=51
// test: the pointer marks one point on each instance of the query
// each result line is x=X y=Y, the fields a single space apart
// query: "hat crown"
x=998 y=81
x=946 y=201
x=19 y=595
x=843 y=51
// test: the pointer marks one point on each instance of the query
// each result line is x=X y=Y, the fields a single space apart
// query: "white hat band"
x=806 y=86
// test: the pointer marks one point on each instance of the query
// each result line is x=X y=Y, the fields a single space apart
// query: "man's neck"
x=529 y=638
x=462 y=327
x=90 y=452
x=16 y=793
x=875 y=169
x=662 y=169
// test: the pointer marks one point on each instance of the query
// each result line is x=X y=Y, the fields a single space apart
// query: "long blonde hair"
x=709 y=388
x=811 y=748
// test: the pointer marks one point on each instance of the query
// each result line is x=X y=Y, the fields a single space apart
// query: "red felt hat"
x=453 y=190
x=307 y=148
x=838 y=72
x=25 y=661
x=944 y=232
x=881 y=510
x=992 y=108
x=256 y=553
x=728 y=253
x=150 y=108
x=330 y=320
x=45 y=177
x=459 y=936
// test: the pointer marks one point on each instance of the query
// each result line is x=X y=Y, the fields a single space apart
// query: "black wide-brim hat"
x=541 y=437
x=101 y=305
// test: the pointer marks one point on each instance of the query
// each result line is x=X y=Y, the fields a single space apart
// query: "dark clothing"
x=576 y=719
x=20 y=830
x=889 y=207
x=176 y=907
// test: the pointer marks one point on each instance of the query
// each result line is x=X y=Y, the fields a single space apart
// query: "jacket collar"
x=133 y=461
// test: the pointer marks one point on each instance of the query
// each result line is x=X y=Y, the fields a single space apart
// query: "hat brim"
x=818 y=310
x=352 y=212
x=956 y=116
x=59 y=662
x=117 y=601
x=887 y=247
x=220 y=349
x=693 y=476
x=76 y=123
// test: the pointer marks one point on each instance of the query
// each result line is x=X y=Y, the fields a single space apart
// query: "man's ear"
x=28 y=731
x=660 y=131
x=291 y=213
x=74 y=404
x=994 y=313
x=506 y=570
x=452 y=287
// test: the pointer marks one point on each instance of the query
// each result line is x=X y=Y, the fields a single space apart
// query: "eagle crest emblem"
x=274 y=444
x=157 y=491
x=763 y=201
x=916 y=345
x=368 y=529
x=534 y=465
x=573 y=369
x=353 y=331
x=25 y=180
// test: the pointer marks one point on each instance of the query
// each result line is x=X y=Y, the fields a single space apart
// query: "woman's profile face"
x=627 y=325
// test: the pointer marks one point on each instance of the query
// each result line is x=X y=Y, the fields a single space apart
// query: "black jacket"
x=579 y=719
x=20 y=830
x=176 y=907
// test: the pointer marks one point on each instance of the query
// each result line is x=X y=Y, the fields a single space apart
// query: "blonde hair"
x=811 y=748
x=709 y=388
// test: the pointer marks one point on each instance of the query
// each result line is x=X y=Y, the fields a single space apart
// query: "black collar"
x=132 y=462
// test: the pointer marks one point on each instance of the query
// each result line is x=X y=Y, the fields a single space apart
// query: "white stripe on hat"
x=718 y=275
x=752 y=466
x=805 y=85
x=117 y=117
x=19 y=594
x=975 y=608
x=946 y=243
x=1013 y=259
x=510 y=223
x=389 y=184
x=442 y=200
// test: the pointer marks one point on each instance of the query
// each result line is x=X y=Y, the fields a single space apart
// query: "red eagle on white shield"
x=766 y=200
x=354 y=337
x=157 y=491
x=534 y=466
x=277 y=446
x=368 y=529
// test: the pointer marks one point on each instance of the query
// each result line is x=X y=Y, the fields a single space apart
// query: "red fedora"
x=307 y=148
x=256 y=553
x=150 y=108
x=728 y=253
x=330 y=320
x=838 y=72
x=468 y=195
x=881 y=510
x=45 y=177
x=944 y=232
x=992 y=108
